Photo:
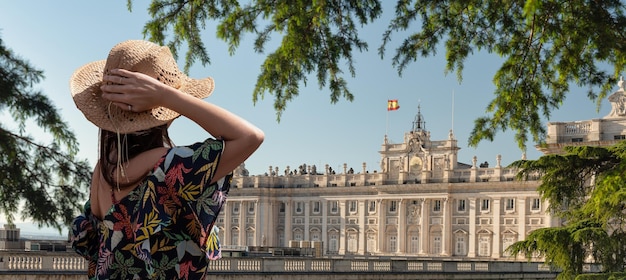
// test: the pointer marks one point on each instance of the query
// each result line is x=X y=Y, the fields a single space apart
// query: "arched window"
x=250 y=238
x=314 y=234
x=484 y=246
x=280 y=234
x=234 y=236
x=484 y=243
x=353 y=242
x=414 y=242
x=333 y=242
x=508 y=238
x=393 y=243
x=436 y=242
x=297 y=234
x=460 y=242
x=371 y=242
x=459 y=249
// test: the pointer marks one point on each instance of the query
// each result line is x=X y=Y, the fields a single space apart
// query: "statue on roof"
x=618 y=101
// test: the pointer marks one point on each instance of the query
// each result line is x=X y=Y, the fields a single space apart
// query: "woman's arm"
x=143 y=93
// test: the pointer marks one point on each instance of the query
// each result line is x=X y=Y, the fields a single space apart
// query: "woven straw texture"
x=139 y=56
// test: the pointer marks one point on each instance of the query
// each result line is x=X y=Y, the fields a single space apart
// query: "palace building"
x=421 y=203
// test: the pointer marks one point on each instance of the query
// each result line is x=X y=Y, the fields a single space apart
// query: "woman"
x=152 y=206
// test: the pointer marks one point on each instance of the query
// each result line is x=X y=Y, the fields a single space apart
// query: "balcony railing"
x=12 y=262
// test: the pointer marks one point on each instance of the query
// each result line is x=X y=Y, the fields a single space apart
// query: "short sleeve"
x=204 y=200
x=184 y=195
x=85 y=239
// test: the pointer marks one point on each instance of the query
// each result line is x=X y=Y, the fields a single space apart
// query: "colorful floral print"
x=164 y=228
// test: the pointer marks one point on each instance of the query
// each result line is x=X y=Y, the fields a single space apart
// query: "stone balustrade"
x=68 y=265
x=41 y=261
x=494 y=174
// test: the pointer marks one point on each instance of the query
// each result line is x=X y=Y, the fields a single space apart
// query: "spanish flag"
x=392 y=105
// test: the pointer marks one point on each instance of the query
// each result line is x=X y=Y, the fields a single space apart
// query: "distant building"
x=421 y=202
x=10 y=240
x=601 y=132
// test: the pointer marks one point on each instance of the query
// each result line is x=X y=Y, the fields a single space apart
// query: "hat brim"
x=85 y=89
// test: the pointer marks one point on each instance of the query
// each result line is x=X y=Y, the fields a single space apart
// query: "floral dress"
x=163 y=229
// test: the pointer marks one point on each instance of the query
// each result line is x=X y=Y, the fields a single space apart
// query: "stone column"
x=342 y=227
x=228 y=210
x=306 y=219
x=521 y=218
x=425 y=227
x=288 y=218
x=361 y=223
x=495 y=253
x=258 y=222
x=446 y=231
x=401 y=248
x=269 y=231
x=472 y=228
x=325 y=225
x=242 y=224
x=382 y=222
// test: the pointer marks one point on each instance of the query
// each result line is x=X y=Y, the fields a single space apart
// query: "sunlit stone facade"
x=420 y=202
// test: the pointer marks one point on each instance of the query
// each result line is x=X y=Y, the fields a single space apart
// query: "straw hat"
x=139 y=56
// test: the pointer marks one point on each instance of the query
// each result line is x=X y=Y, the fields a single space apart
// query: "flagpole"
x=387 y=122
x=452 y=110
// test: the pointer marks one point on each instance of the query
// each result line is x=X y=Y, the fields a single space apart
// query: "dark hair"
x=131 y=145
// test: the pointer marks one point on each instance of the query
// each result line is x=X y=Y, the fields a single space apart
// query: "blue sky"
x=60 y=36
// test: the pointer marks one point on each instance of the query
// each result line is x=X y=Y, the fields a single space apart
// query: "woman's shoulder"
x=193 y=150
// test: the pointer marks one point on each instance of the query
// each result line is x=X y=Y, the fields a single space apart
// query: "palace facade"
x=421 y=202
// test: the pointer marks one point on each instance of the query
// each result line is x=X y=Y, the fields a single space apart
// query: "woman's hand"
x=133 y=91
x=138 y=92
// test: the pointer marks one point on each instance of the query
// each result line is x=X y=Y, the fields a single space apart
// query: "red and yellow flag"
x=392 y=105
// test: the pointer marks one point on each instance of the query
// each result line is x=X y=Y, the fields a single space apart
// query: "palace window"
x=352 y=206
x=315 y=236
x=436 y=249
x=250 y=207
x=414 y=243
x=459 y=249
x=393 y=243
x=333 y=244
x=299 y=207
x=235 y=207
x=371 y=242
x=334 y=207
x=281 y=208
x=507 y=241
x=353 y=243
x=510 y=204
x=316 y=207
x=484 y=205
x=281 y=238
x=484 y=246
x=372 y=206
x=460 y=205
x=297 y=235
x=536 y=204
x=619 y=137
x=250 y=238
x=234 y=237
x=436 y=205
x=393 y=206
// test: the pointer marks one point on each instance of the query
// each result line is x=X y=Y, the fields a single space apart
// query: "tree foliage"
x=545 y=46
x=587 y=189
x=45 y=181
